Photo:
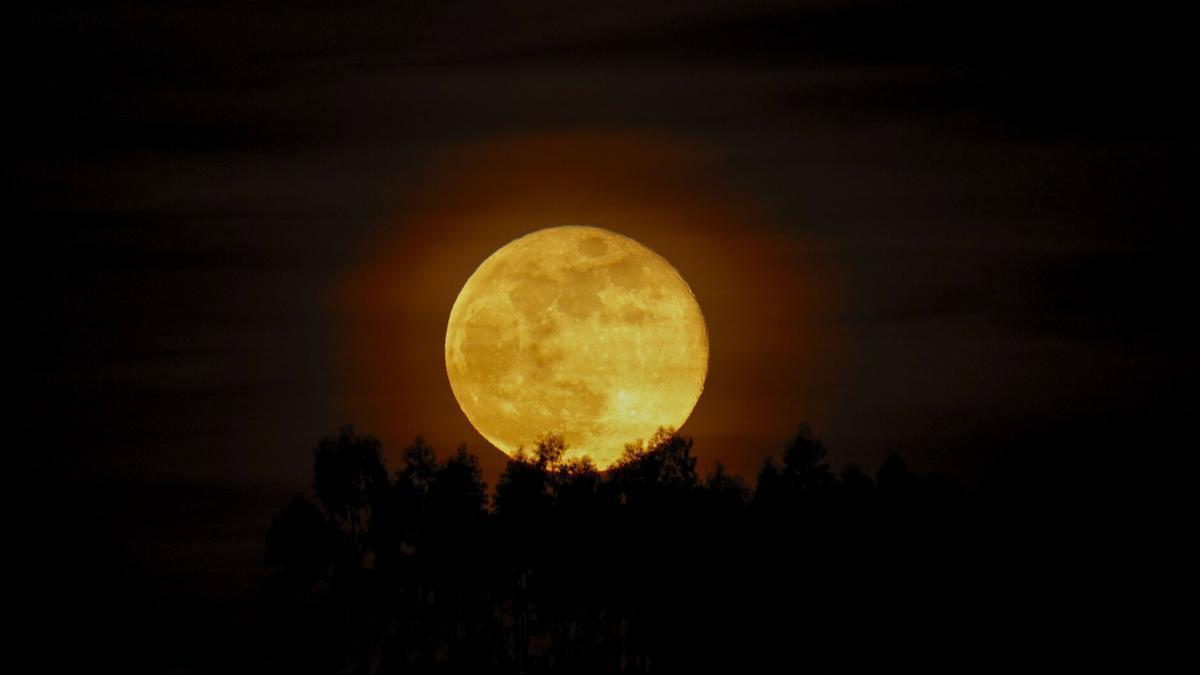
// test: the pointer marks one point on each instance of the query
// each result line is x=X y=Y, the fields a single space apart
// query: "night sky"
x=925 y=228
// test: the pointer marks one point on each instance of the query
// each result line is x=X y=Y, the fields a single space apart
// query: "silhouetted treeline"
x=648 y=567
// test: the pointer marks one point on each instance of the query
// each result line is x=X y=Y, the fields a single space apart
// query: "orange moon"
x=577 y=331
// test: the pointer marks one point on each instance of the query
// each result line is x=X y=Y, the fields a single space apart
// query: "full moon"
x=576 y=331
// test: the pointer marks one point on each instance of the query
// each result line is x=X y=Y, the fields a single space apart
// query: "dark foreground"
x=649 y=568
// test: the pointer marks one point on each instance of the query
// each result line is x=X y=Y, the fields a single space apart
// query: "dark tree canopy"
x=644 y=567
x=349 y=476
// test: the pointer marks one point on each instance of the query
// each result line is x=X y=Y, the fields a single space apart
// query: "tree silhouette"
x=296 y=626
x=804 y=466
x=656 y=474
x=300 y=540
x=349 y=478
x=640 y=568
x=457 y=493
x=854 y=481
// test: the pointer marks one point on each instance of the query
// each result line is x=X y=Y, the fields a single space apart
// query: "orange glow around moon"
x=576 y=331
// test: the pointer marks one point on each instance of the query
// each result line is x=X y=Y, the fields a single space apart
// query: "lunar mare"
x=576 y=331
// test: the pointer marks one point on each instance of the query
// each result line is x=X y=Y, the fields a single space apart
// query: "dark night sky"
x=926 y=228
